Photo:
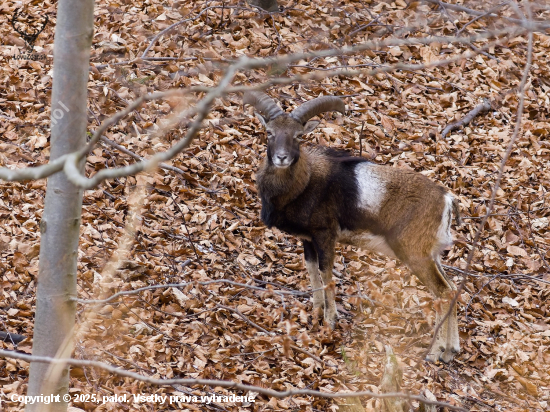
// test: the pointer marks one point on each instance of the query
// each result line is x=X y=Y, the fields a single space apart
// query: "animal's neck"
x=281 y=186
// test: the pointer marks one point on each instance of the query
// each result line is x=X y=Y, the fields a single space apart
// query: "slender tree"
x=55 y=312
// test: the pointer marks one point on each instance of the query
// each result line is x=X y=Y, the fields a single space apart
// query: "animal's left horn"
x=319 y=105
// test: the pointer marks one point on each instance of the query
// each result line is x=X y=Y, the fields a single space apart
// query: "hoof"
x=432 y=357
x=442 y=355
x=435 y=353
x=448 y=355
x=331 y=322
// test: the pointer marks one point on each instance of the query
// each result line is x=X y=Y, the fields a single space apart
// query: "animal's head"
x=285 y=131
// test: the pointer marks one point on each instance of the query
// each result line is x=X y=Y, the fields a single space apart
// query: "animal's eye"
x=269 y=134
x=299 y=136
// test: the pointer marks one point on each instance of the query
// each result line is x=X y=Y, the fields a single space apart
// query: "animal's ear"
x=310 y=126
x=261 y=118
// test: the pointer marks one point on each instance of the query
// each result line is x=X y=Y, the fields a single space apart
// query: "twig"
x=524 y=276
x=71 y=166
x=427 y=408
x=306 y=66
x=182 y=389
x=279 y=38
x=33 y=173
x=181 y=285
x=138 y=157
x=484 y=106
x=124 y=150
x=311 y=355
x=477 y=294
x=129 y=362
x=110 y=121
x=476 y=49
x=446 y=12
x=480 y=13
x=161 y=59
x=456 y=7
x=490 y=11
x=500 y=275
x=222 y=383
x=125 y=102
x=186 y=228
x=365 y=26
x=245 y=318
x=361 y=139
x=169 y=28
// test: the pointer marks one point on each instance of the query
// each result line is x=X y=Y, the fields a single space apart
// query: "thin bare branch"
x=245 y=318
x=500 y=275
x=224 y=384
x=105 y=125
x=481 y=13
x=202 y=110
x=484 y=106
x=178 y=23
x=33 y=173
x=488 y=12
x=124 y=150
x=70 y=163
x=181 y=285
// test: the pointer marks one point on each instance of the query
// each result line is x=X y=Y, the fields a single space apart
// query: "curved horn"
x=318 y=105
x=264 y=104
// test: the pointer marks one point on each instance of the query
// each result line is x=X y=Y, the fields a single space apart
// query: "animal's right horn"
x=263 y=104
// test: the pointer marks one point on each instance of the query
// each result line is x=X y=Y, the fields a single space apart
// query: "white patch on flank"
x=444 y=237
x=366 y=240
x=372 y=190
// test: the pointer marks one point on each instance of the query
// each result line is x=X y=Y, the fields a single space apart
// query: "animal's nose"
x=282 y=157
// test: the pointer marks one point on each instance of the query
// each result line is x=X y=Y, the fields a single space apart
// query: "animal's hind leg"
x=312 y=265
x=431 y=274
x=453 y=337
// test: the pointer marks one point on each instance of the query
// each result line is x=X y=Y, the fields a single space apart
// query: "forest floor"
x=202 y=223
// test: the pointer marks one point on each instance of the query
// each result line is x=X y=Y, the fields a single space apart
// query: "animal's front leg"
x=324 y=246
x=312 y=265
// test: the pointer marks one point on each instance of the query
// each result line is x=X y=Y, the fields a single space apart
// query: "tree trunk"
x=55 y=313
